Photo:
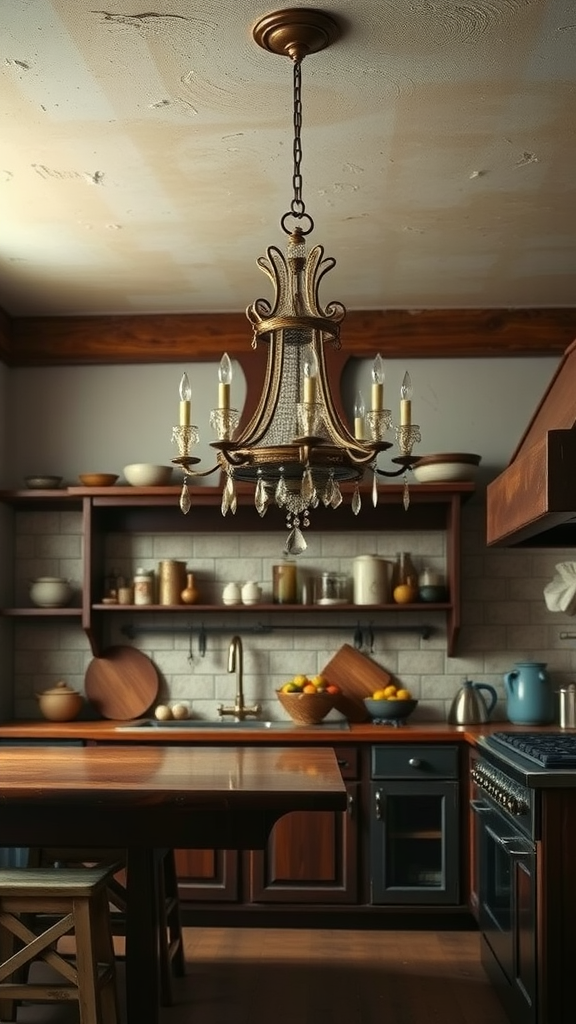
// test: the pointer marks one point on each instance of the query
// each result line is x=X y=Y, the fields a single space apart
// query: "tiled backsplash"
x=504 y=617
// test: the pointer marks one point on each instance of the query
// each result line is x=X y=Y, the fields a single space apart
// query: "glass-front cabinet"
x=414 y=825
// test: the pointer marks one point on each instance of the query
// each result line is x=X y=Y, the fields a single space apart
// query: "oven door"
x=507 y=908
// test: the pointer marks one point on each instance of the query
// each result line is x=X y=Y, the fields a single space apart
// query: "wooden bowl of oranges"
x=308 y=700
x=392 y=704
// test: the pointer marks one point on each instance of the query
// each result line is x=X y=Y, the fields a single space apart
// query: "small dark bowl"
x=43 y=482
x=389 y=710
x=433 y=593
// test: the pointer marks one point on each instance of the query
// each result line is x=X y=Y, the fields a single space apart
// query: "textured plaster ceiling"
x=146 y=155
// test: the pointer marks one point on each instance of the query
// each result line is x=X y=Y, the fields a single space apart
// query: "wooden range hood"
x=533 y=501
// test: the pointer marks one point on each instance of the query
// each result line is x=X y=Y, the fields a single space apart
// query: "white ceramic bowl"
x=144 y=474
x=431 y=469
x=50 y=592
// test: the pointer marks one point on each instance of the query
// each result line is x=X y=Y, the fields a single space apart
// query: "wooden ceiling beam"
x=200 y=337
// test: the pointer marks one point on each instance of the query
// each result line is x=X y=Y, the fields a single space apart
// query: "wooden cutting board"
x=122 y=684
x=358 y=677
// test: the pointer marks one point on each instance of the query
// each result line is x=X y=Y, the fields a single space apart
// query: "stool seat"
x=171 y=961
x=75 y=900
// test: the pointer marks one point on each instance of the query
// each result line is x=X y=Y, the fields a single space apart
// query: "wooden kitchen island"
x=155 y=797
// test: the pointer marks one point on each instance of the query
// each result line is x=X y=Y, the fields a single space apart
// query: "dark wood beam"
x=407 y=334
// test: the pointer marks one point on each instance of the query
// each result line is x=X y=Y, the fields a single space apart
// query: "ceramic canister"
x=371 y=580
x=171 y=581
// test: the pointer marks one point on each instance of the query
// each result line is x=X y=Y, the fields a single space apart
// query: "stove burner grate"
x=551 y=750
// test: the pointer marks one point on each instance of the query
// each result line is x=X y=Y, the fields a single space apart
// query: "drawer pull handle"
x=378 y=805
x=415 y=762
x=350 y=805
x=342 y=763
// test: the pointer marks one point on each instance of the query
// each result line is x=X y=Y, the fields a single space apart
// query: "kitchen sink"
x=249 y=725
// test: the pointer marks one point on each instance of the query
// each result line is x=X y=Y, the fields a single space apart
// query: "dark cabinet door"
x=207 y=875
x=414 y=842
x=311 y=857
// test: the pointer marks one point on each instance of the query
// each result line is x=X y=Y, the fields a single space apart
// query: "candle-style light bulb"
x=406 y=401
x=310 y=371
x=359 y=417
x=378 y=384
x=224 y=382
x=185 y=404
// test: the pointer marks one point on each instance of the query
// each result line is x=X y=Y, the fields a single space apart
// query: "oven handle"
x=480 y=806
x=525 y=846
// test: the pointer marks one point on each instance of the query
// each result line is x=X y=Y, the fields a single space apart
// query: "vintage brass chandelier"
x=295 y=449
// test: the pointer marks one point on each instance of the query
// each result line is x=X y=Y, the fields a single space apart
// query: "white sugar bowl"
x=50 y=592
x=232 y=594
x=251 y=592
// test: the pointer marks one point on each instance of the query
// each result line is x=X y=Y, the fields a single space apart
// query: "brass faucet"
x=236 y=664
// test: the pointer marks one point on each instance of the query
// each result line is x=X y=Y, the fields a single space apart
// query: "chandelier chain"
x=297 y=206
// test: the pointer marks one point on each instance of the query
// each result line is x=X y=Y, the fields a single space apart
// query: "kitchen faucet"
x=236 y=664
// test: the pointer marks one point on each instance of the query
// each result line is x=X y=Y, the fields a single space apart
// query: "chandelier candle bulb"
x=378 y=384
x=406 y=401
x=185 y=396
x=359 y=418
x=224 y=382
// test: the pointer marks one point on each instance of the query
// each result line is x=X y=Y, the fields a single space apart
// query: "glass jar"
x=404 y=571
x=332 y=588
x=284 y=589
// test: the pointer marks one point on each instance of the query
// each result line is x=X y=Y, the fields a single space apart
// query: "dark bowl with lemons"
x=394 y=711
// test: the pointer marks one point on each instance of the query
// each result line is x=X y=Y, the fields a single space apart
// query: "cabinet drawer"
x=406 y=761
x=347 y=758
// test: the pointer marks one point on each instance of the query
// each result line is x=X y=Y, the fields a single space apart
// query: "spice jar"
x=143 y=587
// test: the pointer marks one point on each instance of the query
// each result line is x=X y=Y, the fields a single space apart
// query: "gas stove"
x=551 y=750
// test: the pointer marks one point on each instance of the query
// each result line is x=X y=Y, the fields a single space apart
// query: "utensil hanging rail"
x=363 y=633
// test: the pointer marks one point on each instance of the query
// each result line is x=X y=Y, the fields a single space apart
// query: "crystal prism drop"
x=295 y=542
x=356 y=501
x=281 y=492
x=336 y=498
x=233 y=498
x=185 y=503
x=406 y=494
x=225 y=503
x=307 y=488
x=328 y=491
x=374 y=490
x=260 y=497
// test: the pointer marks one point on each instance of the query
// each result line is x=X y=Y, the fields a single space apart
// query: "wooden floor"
x=259 y=976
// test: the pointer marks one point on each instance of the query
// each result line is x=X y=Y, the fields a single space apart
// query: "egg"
x=179 y=711
x=163 y=713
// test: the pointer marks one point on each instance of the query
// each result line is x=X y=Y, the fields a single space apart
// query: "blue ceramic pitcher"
x=530 y=700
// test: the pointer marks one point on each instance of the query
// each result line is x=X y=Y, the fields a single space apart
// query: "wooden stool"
x=75 y=900
x=170 y=945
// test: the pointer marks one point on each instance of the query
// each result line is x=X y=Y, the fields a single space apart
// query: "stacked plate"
x=446 y=467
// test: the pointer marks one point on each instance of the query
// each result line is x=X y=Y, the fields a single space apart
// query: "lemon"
x=300 y=681
x=404 y=594
x=390 y=691
x=290 y=688
x=379 y=695
x=403 y=695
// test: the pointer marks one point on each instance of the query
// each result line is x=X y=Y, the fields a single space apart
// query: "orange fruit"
x=404 y=594
x=332 y=688
x=309 y=688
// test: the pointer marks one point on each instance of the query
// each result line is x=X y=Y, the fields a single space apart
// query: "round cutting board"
x=122 y=684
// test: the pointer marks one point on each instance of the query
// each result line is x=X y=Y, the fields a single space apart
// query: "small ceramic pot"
x=61 y=703
x=251 y=592
x=231 y=594
x=50 y=592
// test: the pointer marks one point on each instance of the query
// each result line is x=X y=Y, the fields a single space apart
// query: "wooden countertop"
x=108 y=732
